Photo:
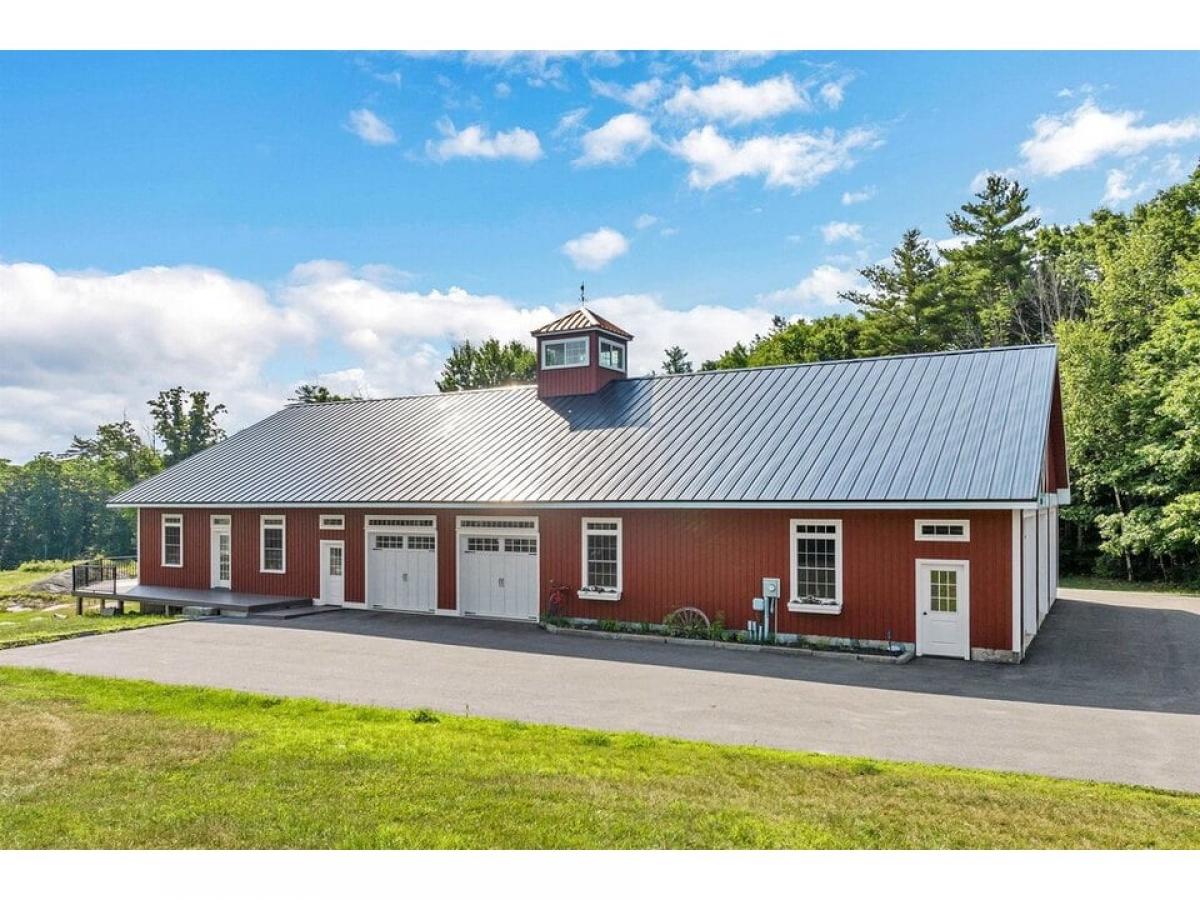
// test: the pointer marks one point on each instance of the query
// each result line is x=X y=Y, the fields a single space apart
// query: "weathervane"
x=582 y=299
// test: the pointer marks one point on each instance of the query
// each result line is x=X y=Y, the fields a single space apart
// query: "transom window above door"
x=565 y=353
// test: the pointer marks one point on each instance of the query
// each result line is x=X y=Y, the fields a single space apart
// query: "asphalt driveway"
x=1110 y=691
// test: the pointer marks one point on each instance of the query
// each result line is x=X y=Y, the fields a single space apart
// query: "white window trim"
x=588 y=592
x=795 y=604
x=963 y=538
x=332 y=523
x=262 y=544
x=171 y=521
x=617 y=345
x=587 y=352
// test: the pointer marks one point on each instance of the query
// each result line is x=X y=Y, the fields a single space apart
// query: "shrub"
x=424 y=716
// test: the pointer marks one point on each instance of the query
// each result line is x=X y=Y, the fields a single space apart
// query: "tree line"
x=53 y=507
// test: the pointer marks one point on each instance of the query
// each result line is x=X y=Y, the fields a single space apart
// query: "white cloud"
x=596 y=249
x=621 y=139
x=832 y=93
x=705 y=332
x=540 y=68
x=1087 y=133
x=669 y=232
x=849 y=198
x=502 y=90
x=82 y=349
x=370 y=127
x=474 y=142
x=726 y=60
x=797 y=160
x=570 y=121
x=734 y=102
x=816 y=293
x=833 y=232
x=639 y=95
x=1119 y=187
x=979 y=182
x=645 y=220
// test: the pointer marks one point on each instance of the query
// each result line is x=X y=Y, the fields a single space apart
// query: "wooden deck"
x=169 y=598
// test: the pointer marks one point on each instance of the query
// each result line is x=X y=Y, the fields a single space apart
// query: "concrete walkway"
x=1111 y=689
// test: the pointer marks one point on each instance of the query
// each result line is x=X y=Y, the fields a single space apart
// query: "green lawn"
x=91 y=762
x=36 y=626
x=1100 y=583
x=29 y=573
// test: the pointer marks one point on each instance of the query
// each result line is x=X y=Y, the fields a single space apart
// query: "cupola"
x=580 y=353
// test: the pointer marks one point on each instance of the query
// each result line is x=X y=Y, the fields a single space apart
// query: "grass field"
x=91 y=762
x=29 y=573
x=36 y=626
x=1099 y=583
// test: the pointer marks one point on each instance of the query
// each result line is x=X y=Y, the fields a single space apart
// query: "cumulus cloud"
x=833 y=232
x=797 y=160
x=474 y=142
x=705 y=332
x=849 y=198
x=370 y=127
x=596 y=249
x=816 y=293
x=639 y=96
x=735 y=102
x=1087 y=133
x=1119 y=187
x=645 y=220
x=81 y=349
x=620 y=140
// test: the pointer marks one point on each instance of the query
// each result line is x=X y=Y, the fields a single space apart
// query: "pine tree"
x=676 y=362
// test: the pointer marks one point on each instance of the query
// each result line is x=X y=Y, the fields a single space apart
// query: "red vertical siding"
x=579 y=379
x=713 y=559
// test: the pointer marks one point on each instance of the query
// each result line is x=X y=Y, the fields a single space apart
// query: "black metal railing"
x=102 y=574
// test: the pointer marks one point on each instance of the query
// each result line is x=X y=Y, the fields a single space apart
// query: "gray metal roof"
x=581 y=319
x=965 y=426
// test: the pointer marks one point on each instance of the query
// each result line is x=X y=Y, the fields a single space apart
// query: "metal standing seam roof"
x=582 y=319
x=942 y=427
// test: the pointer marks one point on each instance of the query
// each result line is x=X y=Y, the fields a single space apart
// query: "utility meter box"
x=770 y=588
x=757 y=604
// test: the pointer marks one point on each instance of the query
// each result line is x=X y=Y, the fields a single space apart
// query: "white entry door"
x=498 y=575
x=943 y=608
x=402 y=571
x=333 y=573
x=220 y=553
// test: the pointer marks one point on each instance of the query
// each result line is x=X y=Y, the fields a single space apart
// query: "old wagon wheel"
x=687 y=620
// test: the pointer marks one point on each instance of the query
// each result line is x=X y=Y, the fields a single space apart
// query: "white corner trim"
x=1017 y=578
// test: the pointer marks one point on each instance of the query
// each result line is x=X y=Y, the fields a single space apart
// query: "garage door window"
x=420 y=542
x=389 y=542
x=483 y=545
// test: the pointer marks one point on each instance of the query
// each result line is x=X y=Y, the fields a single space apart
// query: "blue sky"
x=242 y=222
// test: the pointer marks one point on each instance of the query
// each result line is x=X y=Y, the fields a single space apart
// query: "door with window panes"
x=943 y=608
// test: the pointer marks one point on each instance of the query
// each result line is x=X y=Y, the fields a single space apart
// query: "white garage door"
x=498 y=568
x=401 y=567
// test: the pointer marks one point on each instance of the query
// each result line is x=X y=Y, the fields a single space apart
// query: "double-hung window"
x=272 y=532
x=172 y=541
x=612 y=355
x=816 y=554
x=601 y=559
x=567 y=353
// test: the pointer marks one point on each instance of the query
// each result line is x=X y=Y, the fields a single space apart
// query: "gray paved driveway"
x=1111 y=689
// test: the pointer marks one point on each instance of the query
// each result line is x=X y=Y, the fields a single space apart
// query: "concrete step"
x=293 y=612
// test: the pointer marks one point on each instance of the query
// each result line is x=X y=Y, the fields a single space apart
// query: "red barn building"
x=906 y=500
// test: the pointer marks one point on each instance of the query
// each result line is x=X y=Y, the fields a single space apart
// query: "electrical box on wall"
x=770 y=588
